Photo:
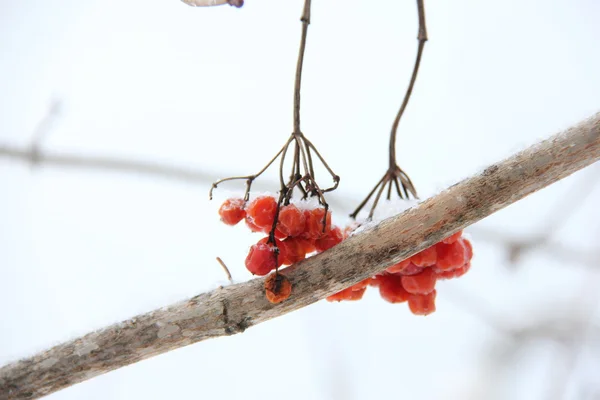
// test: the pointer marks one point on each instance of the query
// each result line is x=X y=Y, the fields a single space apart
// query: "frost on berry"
x=422 y=304
x=421 y=283
x=261 y=259
x=277 y=288
x=261 y=212
x=232 y=211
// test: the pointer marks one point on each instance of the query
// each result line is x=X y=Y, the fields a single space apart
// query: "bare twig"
x=394 y=174
x=517 y=247
x=43 y=128
x=233 y=309
x=225 y=269
x=111 y=164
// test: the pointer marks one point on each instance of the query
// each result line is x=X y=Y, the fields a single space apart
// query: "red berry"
x=453 y=238
x=278 y=234
x=356 y=294
x=391 y=289
x=425 y=258
x=314 y=223
x=277 y=288
x=399 y=267
x=422 y=304
x=283 y=250
x=295 y=251
x=291 y=220
x=232 y=211
x=347 y=294
x=308 y=246
x=261 y=211
x=361 y=285
x=376 y=280
x=410 y=269
x=330 y=239
x=251 y=225
x=421 y=283
x=451 y=256
x=455 y=273
x=261 y=259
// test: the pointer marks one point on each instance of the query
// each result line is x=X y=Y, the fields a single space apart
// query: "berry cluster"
x=292 y=233
x=413 y=280
x=297 y=233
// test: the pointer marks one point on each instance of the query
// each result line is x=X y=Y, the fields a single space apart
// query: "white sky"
x=212 y=89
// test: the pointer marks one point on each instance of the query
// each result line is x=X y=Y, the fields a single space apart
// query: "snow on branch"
x=233 y=309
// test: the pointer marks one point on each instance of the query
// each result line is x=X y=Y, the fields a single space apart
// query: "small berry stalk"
x=395 y=178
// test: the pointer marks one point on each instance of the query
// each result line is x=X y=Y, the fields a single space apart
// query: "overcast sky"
x=211 y=90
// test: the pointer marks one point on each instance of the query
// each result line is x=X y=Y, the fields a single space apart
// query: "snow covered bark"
x=232 y=309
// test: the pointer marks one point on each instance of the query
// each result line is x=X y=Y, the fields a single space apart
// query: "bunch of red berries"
x=297 y=232
x=413 y=280
x=294 y=233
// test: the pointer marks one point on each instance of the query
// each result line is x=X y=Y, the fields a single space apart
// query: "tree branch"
x=231 y=310
x=210 y=3
x=112 y=164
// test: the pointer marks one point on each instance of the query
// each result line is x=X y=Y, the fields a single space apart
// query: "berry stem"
x=298 y=81
x=422 y=37
x=250 y=178
x=394 y=173
x=302 y=174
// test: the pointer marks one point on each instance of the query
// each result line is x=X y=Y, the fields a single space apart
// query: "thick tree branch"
x=231 y=310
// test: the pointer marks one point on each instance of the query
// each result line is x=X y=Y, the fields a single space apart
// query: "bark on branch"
x=233 y=309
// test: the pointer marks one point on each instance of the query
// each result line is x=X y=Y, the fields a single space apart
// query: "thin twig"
x=394 y=172
x=422 y=38
x=226 y=269
x=298 y=81
x=237 y=307
x=107 y=163
x=43 y=128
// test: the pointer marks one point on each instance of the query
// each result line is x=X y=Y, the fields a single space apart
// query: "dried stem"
x=298 y=81
x=233 y=309
x=225 y=269
x=302 y=176
x=422 y=37
x=394 y=172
